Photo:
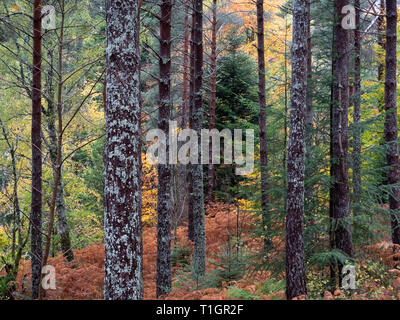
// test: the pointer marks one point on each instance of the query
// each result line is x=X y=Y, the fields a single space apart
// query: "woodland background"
x=245 y=251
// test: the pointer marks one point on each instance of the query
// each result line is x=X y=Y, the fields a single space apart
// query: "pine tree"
x=190 y=113
x=391 y=130
x=262 y=123
x=295 y=265
x=213 y=98
x=197 y=195
x=36 y=204
x=123 y=168
x=357 y=110
x=164 y=170
x=340 y=104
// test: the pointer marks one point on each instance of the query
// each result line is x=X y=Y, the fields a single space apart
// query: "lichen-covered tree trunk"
x=213 y=98
x=36 y=204
x=341 y=192
x=123 y=167
x=357 y=112
x=63 y=228
x=199 y=251
x=164 y=170
x=295 y=265
x=391 y=130
x=262 y=124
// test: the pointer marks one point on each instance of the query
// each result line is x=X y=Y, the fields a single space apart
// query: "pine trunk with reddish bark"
x=381 y=39
x=36 y=204
x=263 y=125
x=213 y=99
x=357 y=111
x=391 y=130
x=164 y=170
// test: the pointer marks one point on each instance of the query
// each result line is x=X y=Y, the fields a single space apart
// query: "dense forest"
x=199 y=149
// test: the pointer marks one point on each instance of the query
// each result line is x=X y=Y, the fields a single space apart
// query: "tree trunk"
x=36 y=204
x=63 y=228
x=186 y=72
x=213 y=99
x=182 y=172
x=164 y=170
x=197 y=169
x=391 y=131
x=123 y=166
x=309 y=119
x=57 y=162
x=295 y=265
x=340 y=192
x=51 y=115
x=357 y=112
x=332 y=264
x=191 y=101
x=381 y=38
x=263 y=125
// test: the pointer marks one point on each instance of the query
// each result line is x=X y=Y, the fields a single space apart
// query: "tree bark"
x=58 y=163
x=263 y=125
x=51 y=114
x=340 y=192
x=123 y=167
x=391 y=130
x=295 y=265
x=164 y=170
x=213 y=99
x=197 y=169
x=36 y=204
x=309 y=118
x=381 y=38
x=191 y=100
x=357 y=111
x=186 y=72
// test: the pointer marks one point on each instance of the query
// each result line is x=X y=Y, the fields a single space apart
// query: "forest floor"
x=378 y=275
